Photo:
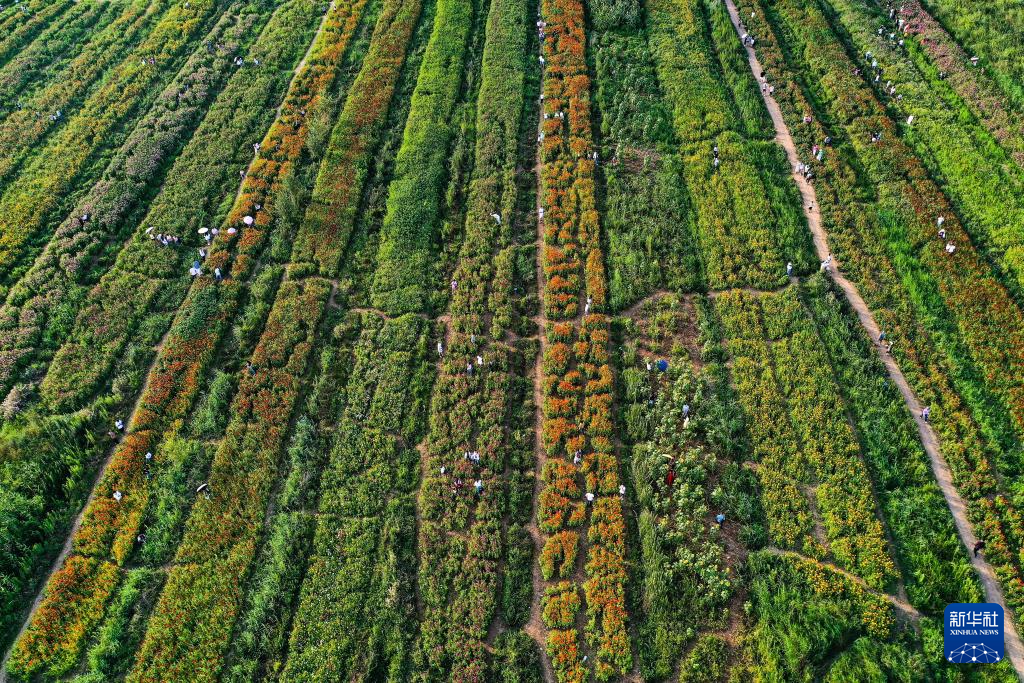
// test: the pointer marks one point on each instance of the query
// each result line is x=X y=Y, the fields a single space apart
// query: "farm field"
x=509 y=340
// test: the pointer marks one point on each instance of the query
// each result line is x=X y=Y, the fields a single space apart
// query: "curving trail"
x=993 y=592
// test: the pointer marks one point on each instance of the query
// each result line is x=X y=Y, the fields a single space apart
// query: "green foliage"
x=517 y=659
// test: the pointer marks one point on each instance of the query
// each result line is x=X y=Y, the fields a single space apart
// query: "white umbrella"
x=248 y=220
x=203 y=231
x=232 y=231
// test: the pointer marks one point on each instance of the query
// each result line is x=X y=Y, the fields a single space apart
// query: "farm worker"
x=576 y=458
x=771 y=89
x=686 y=410
x=950 y=247
x=974 y=61
x=443 y=469
x=193 y=271
x=202 y=253
x=217 y=275
x=542 y=60
x=881 y=337
x=821 y=155
x=662 y=365
x=479 y=486
x=888 y=349
x=978 y=547
x=440 y=349
x=589 y=497
x=910 y=119
x=715 y=151
x=940 y=220
x=719 y=518
x=496 y=217
x=251 y=368
x=926 y=413
x=789 y=269
x=479 y=360
x=942 y=234
x=119 y=424
x=670 y=478
x=649 y=366
x=586 y=308
x=209 y=237
x=149 y=456
x=469 y=368
x=455 y=285
x=622 y=490
x=716 y=162
x=118 y=496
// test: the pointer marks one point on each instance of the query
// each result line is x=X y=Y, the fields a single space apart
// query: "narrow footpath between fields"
x=993 y=593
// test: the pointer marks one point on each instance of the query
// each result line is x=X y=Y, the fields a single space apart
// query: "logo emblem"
x=974 y=633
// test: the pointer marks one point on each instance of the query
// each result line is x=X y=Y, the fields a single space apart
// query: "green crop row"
x=404 y=265
x=192 y=622
x=462 y=541
x=23 y=22
x=939 y=57
x=356 y=613
x=748 y=219
x=647 y=214
x=109 y=528
x=872 y=240
x=60 y=44
x=817 y=457
x=25 y=131
x=29 y=202
x=148 y=281
x=40 y=309
x=980 y=178
x=985 y=30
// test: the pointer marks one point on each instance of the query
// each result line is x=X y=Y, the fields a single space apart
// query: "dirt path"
x=898 y=602
x=993 y=592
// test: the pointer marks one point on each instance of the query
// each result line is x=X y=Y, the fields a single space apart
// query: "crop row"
x=404 y=265
x=875 y=251
x=462 y=542
x=148 y=281
x=684 y=581
x=192 y=623
x=41 y=307
x=983 y=30
x=580 y=493
x=108 y=50
x=748 y=220
x=38 y=307
x=933 y=560
x=23 y=22
x=990 y=323
x=28 y=203
x=356 y=609
x=334 y=206
x=976 y=173
x=109 y=527
x=767 y=335
x=38 y=63
x=938 y=54
x=646 y=216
